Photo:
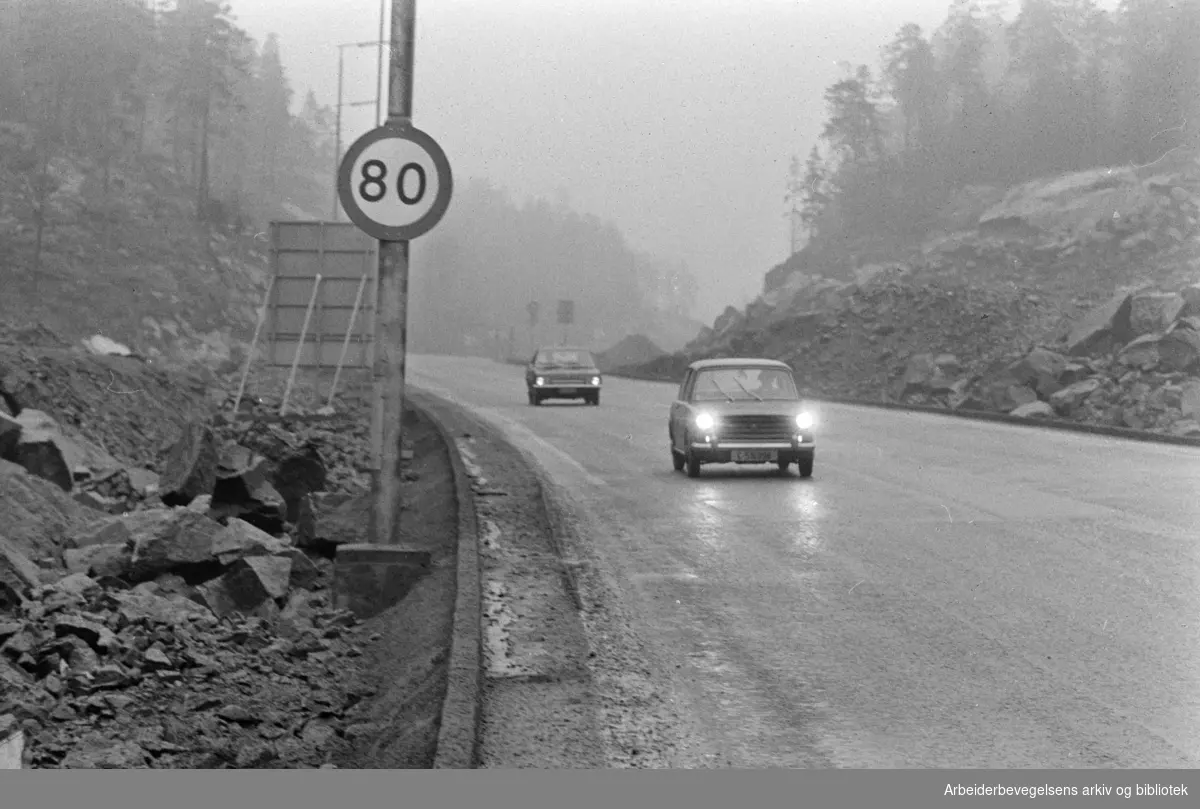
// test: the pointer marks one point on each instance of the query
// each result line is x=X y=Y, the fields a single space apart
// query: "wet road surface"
x=941 y=593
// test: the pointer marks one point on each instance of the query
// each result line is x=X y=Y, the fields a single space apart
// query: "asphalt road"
x=941 y=593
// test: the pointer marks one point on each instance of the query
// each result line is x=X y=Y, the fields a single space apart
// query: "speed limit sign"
x=395 y=183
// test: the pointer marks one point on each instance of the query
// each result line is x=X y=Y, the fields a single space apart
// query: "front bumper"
x=558 y=390
x=722 y=452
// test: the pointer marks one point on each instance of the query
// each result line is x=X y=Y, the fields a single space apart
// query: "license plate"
x=568 y=390
x=753 y=456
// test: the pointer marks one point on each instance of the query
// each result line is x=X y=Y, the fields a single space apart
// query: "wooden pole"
x=287 y=392
x=262 y=319
x=362 y=285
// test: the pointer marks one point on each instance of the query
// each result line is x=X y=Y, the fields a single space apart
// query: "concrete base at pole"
x=368 y=579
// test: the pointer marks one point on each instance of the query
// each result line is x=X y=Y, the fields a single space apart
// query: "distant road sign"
x=395 y=183
x=566 y=312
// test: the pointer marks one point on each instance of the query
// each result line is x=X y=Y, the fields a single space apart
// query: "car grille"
x=757 y=428
x=568 y=380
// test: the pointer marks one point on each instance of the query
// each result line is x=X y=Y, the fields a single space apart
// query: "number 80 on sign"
x=395 y=183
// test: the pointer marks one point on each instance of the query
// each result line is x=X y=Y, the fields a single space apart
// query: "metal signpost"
x=566 y=315
x=395 y=184
x=337 y=138
x=532 y=309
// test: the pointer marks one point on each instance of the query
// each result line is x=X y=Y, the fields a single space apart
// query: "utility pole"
x=337 y=147
x=379 y=66
x=392 y=297
x=337 y=138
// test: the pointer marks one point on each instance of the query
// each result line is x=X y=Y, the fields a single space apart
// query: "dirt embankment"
x=158 y=563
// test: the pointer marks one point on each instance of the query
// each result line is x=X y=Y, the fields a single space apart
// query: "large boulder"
x=1103 y=328
x=162 y=540
x=239 y=539
x=299 y=474
x=1154 y=312
x=190 y=468
x=1179 y=349
x=149 y=609
x=104 y=531
x=36 y=515
x=18 y=575
x=1032 y=410
x=10 y=433
x=1191 y=301
x=1189 y=400
x=44 y=451
x=1072 y=396
x=243 y=489
x=47 y=451
x=1141 y=353
x=101 y=561
x=1041 y=369
x=250 y=586
x=330 y=519
x=929 y=373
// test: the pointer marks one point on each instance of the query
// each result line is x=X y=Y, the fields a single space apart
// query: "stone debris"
x=190 y=469
x=1086 y=276
x=135 y=593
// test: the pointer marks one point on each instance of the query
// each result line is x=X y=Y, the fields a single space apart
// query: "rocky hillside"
x=122 y=255
x=1006 y=304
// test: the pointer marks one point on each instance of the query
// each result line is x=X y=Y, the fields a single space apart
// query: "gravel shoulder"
x=538 y=696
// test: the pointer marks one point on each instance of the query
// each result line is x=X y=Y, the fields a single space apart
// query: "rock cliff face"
x=1075 y=296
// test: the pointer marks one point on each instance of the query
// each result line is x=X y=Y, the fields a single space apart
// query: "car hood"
x=576 y=370
x=768 y=408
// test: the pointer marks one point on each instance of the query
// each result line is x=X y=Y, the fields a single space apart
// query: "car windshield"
x=742 y=384
x=564 y=358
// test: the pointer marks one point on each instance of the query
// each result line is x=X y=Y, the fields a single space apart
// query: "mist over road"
x=942 y=593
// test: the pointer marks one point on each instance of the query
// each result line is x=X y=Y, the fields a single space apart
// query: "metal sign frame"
x=321 y=310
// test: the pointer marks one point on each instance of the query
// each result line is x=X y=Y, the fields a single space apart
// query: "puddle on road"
x=651 y=577
x=499 y=651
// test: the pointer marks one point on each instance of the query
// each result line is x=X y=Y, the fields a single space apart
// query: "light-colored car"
x=743 y=411
x=562 y=373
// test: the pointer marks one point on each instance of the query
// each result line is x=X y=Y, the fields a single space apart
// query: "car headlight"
x=804 y=420
x=539 y=381
x=595 y=380
x=705 y=421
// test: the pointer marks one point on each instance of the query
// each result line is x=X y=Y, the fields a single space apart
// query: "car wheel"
x=596 y=398
x=805 y=465
x=677 y=461
x=783 y=466
x=529 y=396
x=535 y=399
x=693 y=465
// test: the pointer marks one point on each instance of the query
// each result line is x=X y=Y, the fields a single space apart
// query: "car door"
x=678 y=409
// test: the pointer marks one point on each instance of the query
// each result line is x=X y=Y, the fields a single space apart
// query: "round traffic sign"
x=395 y=183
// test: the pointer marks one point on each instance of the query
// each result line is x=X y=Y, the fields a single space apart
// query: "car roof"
x=738 y=362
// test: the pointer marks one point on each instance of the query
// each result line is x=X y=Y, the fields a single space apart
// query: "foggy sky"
x=675 y=119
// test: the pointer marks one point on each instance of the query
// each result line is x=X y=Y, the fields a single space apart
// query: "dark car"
x=744 y=411
x=562 y=373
